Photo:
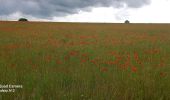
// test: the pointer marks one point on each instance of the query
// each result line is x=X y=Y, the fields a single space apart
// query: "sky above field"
x=136 y=11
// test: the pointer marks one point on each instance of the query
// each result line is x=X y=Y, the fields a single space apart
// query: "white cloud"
x=102 y=14
x=96 y=15
x=156 y=12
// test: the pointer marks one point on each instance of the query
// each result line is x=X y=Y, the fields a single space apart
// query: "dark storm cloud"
x=49 y=8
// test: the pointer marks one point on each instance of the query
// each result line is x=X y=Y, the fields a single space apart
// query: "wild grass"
x=74 y=61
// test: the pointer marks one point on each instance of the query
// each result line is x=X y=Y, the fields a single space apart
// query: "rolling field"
x=76 y=61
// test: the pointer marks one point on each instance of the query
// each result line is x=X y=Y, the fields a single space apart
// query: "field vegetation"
x=83 y=61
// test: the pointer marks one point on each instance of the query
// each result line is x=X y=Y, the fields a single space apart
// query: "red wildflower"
x=13 y=65
x=104 y=69
x=48 y=58
x=12 y=46
x=83 y=60
x=118 y=58
x=136 y=57
x=163 y=74
x=58 y=62
x=112 y=53
x=84 y=54
x=152 y=51
x=110 y=62
x=84 y=43
x=66 y=57
x=124 y=66
x=133 y=69
x=93 y=61
x=73 y=53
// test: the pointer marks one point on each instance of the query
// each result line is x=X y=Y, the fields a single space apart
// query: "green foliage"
x=127 y=22
x=23 y=19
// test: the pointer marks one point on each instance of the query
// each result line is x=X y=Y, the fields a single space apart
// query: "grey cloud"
x=49 y=8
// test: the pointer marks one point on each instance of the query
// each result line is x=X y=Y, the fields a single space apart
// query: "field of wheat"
x=83 y=61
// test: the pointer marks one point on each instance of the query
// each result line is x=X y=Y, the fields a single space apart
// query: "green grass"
x=74 y=61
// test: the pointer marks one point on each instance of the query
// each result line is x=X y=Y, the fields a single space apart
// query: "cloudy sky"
x=137 y=11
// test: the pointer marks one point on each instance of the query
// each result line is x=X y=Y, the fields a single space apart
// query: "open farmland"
x=83 y=61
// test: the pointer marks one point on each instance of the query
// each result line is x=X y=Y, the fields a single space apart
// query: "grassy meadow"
x=83 y=61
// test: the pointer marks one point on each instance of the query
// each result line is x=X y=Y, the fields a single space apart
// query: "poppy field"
x=85 y=61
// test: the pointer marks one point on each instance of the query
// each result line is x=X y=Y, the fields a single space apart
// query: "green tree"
x=23 y=19
x=127 y=22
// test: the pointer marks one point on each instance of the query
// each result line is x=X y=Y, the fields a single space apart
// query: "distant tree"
x=127 y=21
x=23 y=19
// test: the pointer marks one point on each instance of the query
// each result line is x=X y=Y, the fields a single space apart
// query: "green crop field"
x=83 y=61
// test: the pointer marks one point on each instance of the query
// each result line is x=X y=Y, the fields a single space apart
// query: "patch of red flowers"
x=136 y=57
x=83 y=60
x=134 y=69
x=48 y=58
x=104 y=69
x=163 y=74
x=73 y=53
x=12 y=65
x=58 y=62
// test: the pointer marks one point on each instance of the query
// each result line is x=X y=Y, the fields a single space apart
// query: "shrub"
x=127 y=22
x=23 y=19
